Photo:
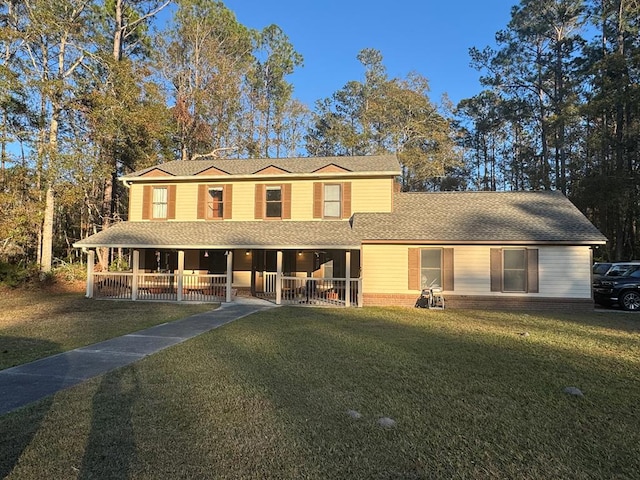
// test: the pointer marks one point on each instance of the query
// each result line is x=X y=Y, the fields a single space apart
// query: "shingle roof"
x=181 y=168
x=443 y=217
x=251 y=234
x=473 y=217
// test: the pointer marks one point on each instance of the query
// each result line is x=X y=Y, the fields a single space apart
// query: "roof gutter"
x=484 y=242
x=221 y=246
x=127 y=181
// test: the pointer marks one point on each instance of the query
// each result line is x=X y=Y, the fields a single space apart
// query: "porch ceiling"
x=254 y=234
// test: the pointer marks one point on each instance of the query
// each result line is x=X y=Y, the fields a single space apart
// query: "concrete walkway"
x=30 y=382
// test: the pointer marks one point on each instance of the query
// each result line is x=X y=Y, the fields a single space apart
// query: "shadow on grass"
x=485 y=404
x=267 y=397
x=111 y=448
x=19 y=389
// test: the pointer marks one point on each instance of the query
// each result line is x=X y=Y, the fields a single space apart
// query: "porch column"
x=347 y=274
x=180 y=274
x=91 y=259
x=135 y=260
x=278 y=277
x=229 y=275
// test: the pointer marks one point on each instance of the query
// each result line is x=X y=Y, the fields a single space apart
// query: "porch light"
x=206 y=253
x=299 y=253
x=247 y=253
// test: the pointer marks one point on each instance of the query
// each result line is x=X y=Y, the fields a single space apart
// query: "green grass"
x=267 y=397
x=35 y=324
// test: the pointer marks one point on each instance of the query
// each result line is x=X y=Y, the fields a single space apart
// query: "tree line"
x=91 y=90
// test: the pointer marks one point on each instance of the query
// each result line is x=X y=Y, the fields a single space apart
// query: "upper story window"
x=159 y=200
x=332 y=200
x=332 y=204
x=273 y=202
x=215 y=202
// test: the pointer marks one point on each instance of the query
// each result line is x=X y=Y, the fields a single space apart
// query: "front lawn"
x=38 y=323
x=473 y=394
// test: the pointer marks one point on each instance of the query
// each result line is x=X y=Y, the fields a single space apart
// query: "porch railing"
x=213 y=288
x=204 y=288
x=160 y=286
x=112 y=285
x=157 y=286
x=316 y=291
x=269 y=279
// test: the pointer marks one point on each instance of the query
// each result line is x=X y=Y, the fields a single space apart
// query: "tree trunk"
x=47 y=231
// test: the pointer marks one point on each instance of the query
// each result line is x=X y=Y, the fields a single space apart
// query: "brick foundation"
x=484 y=302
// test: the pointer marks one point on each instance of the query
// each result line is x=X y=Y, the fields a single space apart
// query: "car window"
x=601 y=268
x=619 y=270
x=633 y=271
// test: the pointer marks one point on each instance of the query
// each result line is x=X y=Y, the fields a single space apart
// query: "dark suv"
x=623 y=289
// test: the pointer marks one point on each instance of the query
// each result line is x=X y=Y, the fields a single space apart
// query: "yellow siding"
x=186 y=202
x=372 y=195
x=243 y=201
x=564 y=271
x=384 y=268
x=367 y=195
x=302 y=200
x=135 y=202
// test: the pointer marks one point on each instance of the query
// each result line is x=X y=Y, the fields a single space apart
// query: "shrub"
x=15 y=275
x=70 y=272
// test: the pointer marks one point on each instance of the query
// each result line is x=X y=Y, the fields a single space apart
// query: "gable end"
x=271 y=170
x=156 y=172
x=212 y=171
x=331 y=168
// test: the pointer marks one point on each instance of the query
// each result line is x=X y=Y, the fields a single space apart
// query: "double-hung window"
x=158 y=202
x=332 y=200
x=273 y=202
x=160 y=199
x=215 y=202
x=430 y=267
x=332 y=205
x=514 y=268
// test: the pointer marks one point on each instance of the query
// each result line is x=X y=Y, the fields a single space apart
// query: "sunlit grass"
x=267 y=397
x=35 y=324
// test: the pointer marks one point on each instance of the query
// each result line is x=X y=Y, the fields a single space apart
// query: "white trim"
x=252 y=176
x=210 y=246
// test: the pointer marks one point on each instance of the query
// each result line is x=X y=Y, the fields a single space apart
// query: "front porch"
x=284 y=277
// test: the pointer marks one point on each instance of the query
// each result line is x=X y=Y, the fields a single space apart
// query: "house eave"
x=482 y=242
x=220 y=246
x=281 y=176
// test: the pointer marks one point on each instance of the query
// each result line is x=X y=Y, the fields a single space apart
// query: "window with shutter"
x=332 y=207
x=273 y=201
x=215 y=203
x=159 y=202
x=431 y=267
x=332 y=200
x=514 y=270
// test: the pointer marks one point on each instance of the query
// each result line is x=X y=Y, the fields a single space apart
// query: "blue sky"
x=431 y=37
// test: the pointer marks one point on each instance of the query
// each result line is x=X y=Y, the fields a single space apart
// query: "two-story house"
x=337 y=230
